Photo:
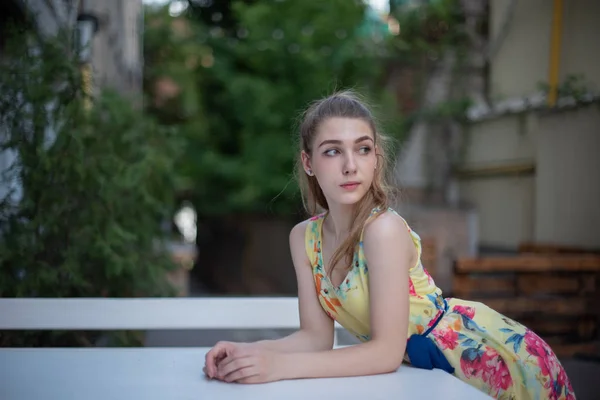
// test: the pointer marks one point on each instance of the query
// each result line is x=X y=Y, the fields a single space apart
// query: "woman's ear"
x=306 y=164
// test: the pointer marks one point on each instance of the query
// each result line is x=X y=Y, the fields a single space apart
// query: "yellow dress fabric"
x=487 y=350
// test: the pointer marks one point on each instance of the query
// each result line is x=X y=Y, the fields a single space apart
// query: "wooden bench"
x=550 y=248
x=150 y=313
x=555 y=295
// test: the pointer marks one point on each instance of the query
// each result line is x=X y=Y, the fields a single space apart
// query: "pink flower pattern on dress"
x=446 y=339
x=486 y=349
x=548 y=364
x=411 y=288
x=482 y=362
x=486 y=364
x=429 y=278
x=467 y=311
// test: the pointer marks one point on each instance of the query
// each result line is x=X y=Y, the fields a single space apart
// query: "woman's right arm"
x=316 y=328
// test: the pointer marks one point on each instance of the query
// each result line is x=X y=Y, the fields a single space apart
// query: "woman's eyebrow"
x=332 y=141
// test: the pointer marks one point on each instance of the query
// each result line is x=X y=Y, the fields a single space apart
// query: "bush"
x=88 y=188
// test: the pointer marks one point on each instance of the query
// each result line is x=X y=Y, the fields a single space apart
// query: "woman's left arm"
x=390 y=253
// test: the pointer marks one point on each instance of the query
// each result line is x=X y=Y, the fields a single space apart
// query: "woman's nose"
x=349 y=166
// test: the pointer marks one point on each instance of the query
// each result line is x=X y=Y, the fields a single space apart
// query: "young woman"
x=358 y=263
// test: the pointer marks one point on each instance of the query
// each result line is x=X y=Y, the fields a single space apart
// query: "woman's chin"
x=348 y=199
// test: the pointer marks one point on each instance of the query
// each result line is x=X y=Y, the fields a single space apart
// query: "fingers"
x=236 y=353
x=225 y=358
x=210 y=363
x=214 y=357
x=229 y=366
x=244 y=374
x=219 y=353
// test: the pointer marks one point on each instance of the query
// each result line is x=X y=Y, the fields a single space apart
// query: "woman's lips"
x=350 y=185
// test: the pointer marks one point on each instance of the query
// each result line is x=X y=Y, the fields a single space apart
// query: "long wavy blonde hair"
x=344 y=104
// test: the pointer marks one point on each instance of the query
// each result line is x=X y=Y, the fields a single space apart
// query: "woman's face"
x=343 y=159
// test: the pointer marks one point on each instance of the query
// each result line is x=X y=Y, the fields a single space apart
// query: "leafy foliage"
x=89 y=187
x=428 y=28
x=251 y=79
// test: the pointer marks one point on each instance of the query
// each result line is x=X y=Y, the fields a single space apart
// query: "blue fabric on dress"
x=423 y=353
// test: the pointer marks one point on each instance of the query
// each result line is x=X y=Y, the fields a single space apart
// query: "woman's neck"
x=340 y=220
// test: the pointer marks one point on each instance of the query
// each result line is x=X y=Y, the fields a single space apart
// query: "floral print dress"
x=486 y=349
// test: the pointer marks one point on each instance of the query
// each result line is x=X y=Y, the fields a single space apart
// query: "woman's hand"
x=251 y=364
x=217 y=354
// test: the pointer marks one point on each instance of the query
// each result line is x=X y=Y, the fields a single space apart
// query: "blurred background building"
x=531 y=172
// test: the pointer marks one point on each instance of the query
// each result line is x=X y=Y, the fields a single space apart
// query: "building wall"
x=567 y=207
x=506 y=141
x=496 y=178
x=47 y=21
x=522 y=61
x=579 y=51
x=535 y=177
x=117 y=47
x=505 y=209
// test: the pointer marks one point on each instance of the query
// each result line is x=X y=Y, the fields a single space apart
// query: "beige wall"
x=504 y=200
x=505 y=208
x=502 y=141
x=117 y=52
x=560 y=202
x=558 y=198
x=568 y=178
x=523 y=58
x=581 y=35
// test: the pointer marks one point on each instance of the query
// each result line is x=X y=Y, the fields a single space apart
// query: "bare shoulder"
x=385 y=225
x=386 y=234
x=298 y=232
x=297 y=243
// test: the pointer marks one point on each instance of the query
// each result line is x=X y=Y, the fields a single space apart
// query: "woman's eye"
x=364 y=150
x=331 y=152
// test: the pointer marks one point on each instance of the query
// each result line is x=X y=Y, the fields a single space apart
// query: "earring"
x=309 y=172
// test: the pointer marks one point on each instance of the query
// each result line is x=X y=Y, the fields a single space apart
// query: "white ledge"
x=149 y=313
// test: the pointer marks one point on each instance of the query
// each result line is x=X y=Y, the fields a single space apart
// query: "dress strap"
x=374 y=212
x=311 y=237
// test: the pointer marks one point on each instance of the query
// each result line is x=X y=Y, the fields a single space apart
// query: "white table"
x=176 y=373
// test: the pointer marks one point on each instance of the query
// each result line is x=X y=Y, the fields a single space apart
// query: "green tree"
x=254 y=76
x=92 y=187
